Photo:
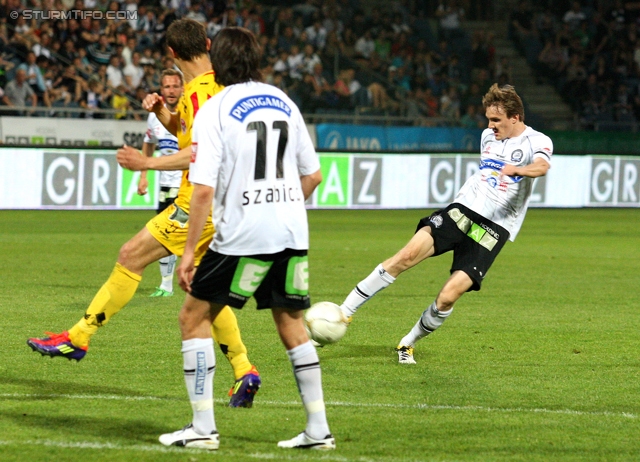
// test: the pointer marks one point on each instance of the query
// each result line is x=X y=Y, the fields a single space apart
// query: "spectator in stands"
x=287 y=39
x=128 y=50
x=471 y=118
x=365 y=45
x=450 y=16
x=35 y=78
x=383 y=44
x=450 y=105
x=94 y=97
x=295 y=63
x=317 y=34
x=100 y=52
x=120 y=102
x=575 y=16
x=133 y=73
x=18 y=92
x=150 y=80
x=115 y=78
x=310 y=58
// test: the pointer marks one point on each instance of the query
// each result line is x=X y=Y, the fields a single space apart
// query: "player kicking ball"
x=166 y=233
x=253 y=158
x=488 y=210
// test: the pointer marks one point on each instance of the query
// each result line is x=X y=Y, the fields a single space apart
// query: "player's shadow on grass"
x=135 y=430
x=330 y=352
x=49 y=388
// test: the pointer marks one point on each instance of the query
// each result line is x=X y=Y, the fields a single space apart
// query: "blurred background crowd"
x=411 y=59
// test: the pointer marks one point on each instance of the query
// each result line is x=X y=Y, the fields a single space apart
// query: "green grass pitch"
x=543 y=364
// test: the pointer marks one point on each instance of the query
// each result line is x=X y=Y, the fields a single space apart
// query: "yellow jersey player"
x=166 y=233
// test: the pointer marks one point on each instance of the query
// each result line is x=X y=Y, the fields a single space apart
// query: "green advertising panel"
x=335 y=187
x=129 y=196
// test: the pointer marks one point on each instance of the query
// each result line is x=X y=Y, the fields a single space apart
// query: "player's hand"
x=152 y=102
x=143 y=186
x=508 y=170
x=131 y=159
x=186 y=271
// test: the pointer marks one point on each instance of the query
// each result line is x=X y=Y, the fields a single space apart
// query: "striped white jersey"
x=251 y=145
x=167 y=144
x=503 y=199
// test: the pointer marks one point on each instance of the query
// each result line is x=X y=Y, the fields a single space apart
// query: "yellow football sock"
x=227 y=334
x=111 y=298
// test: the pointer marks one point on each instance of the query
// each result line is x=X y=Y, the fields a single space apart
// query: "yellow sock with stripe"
x=111 y=298
x=226 y=333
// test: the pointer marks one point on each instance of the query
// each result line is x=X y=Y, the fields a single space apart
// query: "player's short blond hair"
x=506 y=98
x=171 y=73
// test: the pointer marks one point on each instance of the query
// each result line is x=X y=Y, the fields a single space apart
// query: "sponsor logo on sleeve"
x=194 y=152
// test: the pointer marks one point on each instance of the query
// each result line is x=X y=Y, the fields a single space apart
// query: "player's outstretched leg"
x=430 y=320
x=167 y=267
x=376 y=281
x=134 y=256
x=112 y=296
x=226 y=333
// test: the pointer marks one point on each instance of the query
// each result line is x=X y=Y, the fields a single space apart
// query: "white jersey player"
x=500 y=198
x=157 y=136
x=487 y=211
x=260 y=209
x=254 y=160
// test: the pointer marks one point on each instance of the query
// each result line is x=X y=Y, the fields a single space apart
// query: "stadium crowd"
x=335 y=56
x=589 y=50
x=332 y=56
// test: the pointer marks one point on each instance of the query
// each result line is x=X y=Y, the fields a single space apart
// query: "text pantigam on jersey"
x=167 y=144
x=503 y=199
x=251 y=144
x=196 y=93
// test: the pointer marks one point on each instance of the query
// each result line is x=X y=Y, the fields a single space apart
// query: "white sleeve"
x=206 y=146
x=542 y=147
x=308 y=162
x=150 y=136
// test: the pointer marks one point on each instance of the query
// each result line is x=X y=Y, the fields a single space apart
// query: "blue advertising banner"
x=401 y=139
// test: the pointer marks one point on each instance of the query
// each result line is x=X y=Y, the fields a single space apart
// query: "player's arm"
x=154 y=103
x=310 y=183
x=143 y=184
x=200 y=208
x=132 y=159
x=539 y=167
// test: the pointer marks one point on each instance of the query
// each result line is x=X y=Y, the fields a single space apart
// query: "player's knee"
x=447 y=297
x=125 y=254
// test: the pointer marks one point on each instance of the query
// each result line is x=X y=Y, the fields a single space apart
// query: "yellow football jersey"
x=195 y=94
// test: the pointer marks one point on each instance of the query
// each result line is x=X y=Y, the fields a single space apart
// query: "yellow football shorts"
x=170 y=228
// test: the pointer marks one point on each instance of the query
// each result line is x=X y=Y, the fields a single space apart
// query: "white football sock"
x=167 y=266
x=367 y=288
x=430 y=320
x=199 y=367
x=306 y=369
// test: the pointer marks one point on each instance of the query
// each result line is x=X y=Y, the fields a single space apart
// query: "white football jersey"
x=503 y=199
x=167 y=144
x=251 y=144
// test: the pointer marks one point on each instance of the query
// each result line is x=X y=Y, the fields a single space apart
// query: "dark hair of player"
x=171 y=73
x=235 y=56
x=187 y=38
x=504 y=97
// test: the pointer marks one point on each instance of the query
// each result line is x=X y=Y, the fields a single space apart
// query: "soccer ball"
x=325 y=323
